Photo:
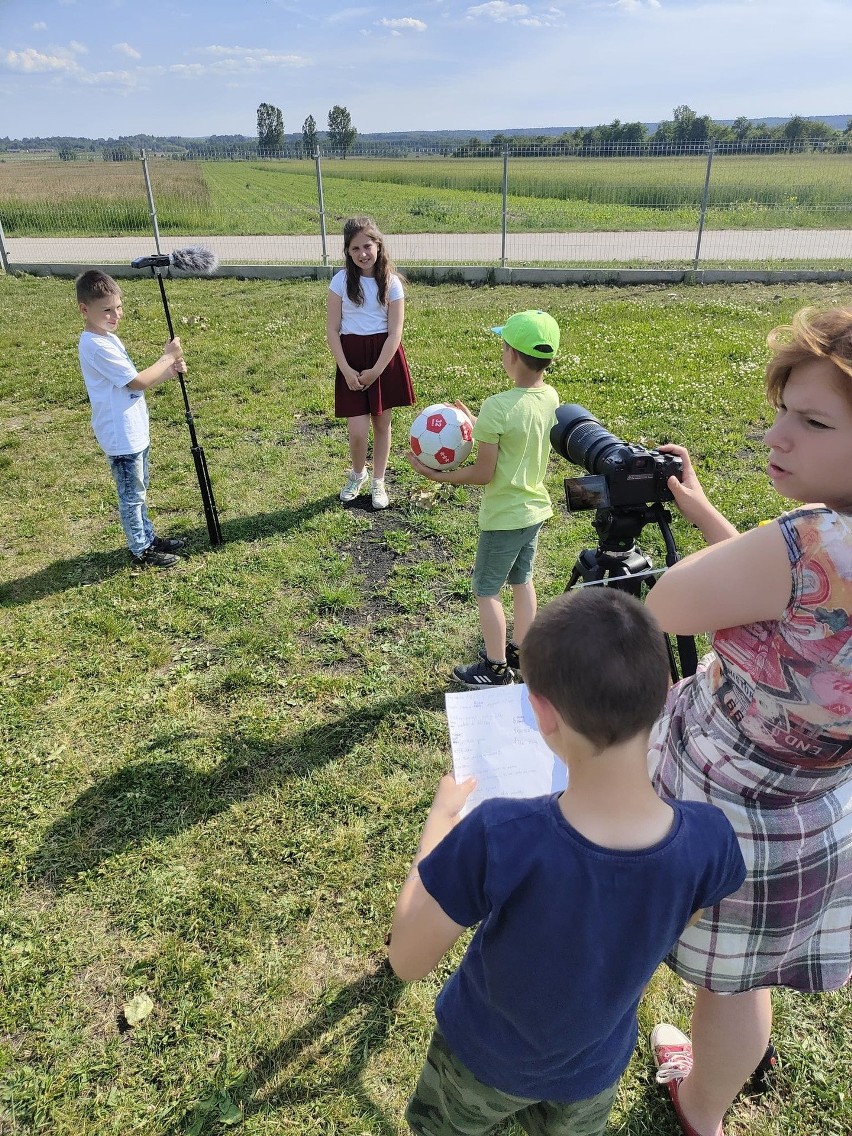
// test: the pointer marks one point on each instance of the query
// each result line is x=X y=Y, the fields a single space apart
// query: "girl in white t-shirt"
x=366 y=309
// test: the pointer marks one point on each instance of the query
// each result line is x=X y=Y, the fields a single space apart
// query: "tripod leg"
x=211 y=515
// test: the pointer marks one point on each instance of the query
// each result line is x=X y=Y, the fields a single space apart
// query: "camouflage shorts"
x=450 y=1101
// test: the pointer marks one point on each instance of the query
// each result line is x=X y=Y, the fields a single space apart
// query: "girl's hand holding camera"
x=693 y=502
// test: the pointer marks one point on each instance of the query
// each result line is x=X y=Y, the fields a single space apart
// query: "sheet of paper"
x=494 y=738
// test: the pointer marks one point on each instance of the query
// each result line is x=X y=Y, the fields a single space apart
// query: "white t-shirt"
x=119 y=415
x=369 y=318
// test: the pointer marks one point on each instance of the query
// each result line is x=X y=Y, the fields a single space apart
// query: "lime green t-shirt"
x=519 y=422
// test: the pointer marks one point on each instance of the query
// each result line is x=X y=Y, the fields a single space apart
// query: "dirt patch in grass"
x=312 y=423
x=390 y=542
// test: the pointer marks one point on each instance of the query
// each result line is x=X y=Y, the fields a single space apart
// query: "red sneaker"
x=672 y=1053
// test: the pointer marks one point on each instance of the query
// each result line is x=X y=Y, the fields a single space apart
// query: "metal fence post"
x=321 y=208
x=704 y=197
x=4 y=259
x=505 y=204
x=152 y=209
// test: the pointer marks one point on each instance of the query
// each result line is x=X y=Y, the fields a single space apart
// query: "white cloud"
x=498 y=10
x=551 y=18
x=61 y=61
x=407 y=23
x=78 y=48
x=229 y=60
x=254 y=57
x=31 y=61
x=41 y=26
x=218 y=49
x=107 y=78
x=127 y=50
x=635 y=5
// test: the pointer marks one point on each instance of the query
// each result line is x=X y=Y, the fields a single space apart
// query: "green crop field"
x=778 y=179
x=426 y=195
x=214 y=778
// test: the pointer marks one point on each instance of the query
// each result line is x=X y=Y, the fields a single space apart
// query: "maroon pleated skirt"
x=392 y=388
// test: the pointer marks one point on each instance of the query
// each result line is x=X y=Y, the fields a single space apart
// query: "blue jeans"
x=130 y=473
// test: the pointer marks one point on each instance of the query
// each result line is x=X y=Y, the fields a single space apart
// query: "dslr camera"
x=622 y=475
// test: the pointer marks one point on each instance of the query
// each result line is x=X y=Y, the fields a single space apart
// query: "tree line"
x=686 y=129
x=271 y=138
x=685 y=132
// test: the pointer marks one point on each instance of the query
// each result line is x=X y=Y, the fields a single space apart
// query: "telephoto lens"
x=580 y=438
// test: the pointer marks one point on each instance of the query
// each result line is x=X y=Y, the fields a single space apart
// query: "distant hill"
x=414 y=138
x=431 y=137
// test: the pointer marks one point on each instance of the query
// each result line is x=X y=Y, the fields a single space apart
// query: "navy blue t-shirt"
x=544 y=1002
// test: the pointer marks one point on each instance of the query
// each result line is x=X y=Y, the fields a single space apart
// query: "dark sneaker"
x=513 y=658
x=152 y=557
x=168 y=543
x=483 y=673
x=761 y=1079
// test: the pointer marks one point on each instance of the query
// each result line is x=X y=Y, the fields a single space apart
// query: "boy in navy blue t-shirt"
x=578 y=897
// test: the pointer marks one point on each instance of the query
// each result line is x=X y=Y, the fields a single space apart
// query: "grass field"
x=214 y=778
x=426 y=195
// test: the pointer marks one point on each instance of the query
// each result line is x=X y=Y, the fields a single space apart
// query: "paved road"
x=463 y=248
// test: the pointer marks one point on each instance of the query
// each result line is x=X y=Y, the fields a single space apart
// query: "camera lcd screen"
x=586 y=493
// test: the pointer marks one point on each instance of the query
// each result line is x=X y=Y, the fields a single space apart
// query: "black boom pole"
x=210 y=514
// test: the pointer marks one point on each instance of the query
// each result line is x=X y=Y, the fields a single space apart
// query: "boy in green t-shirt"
x=512 y=436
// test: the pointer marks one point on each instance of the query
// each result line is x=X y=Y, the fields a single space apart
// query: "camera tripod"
x=618 y=563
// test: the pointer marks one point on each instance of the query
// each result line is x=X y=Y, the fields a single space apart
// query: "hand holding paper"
x=494 y=738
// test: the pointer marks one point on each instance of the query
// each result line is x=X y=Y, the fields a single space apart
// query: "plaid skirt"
x=790 y=924
x=392 y=388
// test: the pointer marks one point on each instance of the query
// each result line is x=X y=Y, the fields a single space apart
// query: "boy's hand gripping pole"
x=214 y=530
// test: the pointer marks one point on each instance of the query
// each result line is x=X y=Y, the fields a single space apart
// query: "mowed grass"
x=214 y=778
x=427 y=195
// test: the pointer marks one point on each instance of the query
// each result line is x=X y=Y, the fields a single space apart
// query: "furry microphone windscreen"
x=196 y=259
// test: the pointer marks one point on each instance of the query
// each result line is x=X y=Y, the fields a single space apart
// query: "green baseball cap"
x=533 y=333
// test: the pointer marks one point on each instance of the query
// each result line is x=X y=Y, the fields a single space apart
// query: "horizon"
x=769 y=120
x=185 y=69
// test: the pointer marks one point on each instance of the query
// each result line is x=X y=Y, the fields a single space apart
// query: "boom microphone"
x=195 y=259
x=199 y=260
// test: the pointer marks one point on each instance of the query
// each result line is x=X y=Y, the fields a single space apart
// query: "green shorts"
x=504 y=556
x=450 y=1101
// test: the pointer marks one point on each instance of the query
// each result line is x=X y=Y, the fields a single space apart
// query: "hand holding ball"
x=442 y=436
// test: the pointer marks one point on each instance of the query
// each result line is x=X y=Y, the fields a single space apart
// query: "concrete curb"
x=468 y=274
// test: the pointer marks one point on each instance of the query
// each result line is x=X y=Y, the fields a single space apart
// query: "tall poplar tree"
x=309 y=135
x=341 y=132
x=270 y=127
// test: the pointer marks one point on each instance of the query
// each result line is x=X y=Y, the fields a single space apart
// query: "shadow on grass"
x=324 y=1059
x=94 y=567
x=156 y=798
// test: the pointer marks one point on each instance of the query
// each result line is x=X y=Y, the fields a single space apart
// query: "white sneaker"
x=380 y=493
x=354 y=485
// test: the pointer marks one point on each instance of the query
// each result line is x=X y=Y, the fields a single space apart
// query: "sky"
x=106 y=68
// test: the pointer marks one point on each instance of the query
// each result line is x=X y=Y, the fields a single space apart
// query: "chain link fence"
x=670 y=206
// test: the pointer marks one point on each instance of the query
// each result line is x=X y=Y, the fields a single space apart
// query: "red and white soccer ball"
x=442 y=436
